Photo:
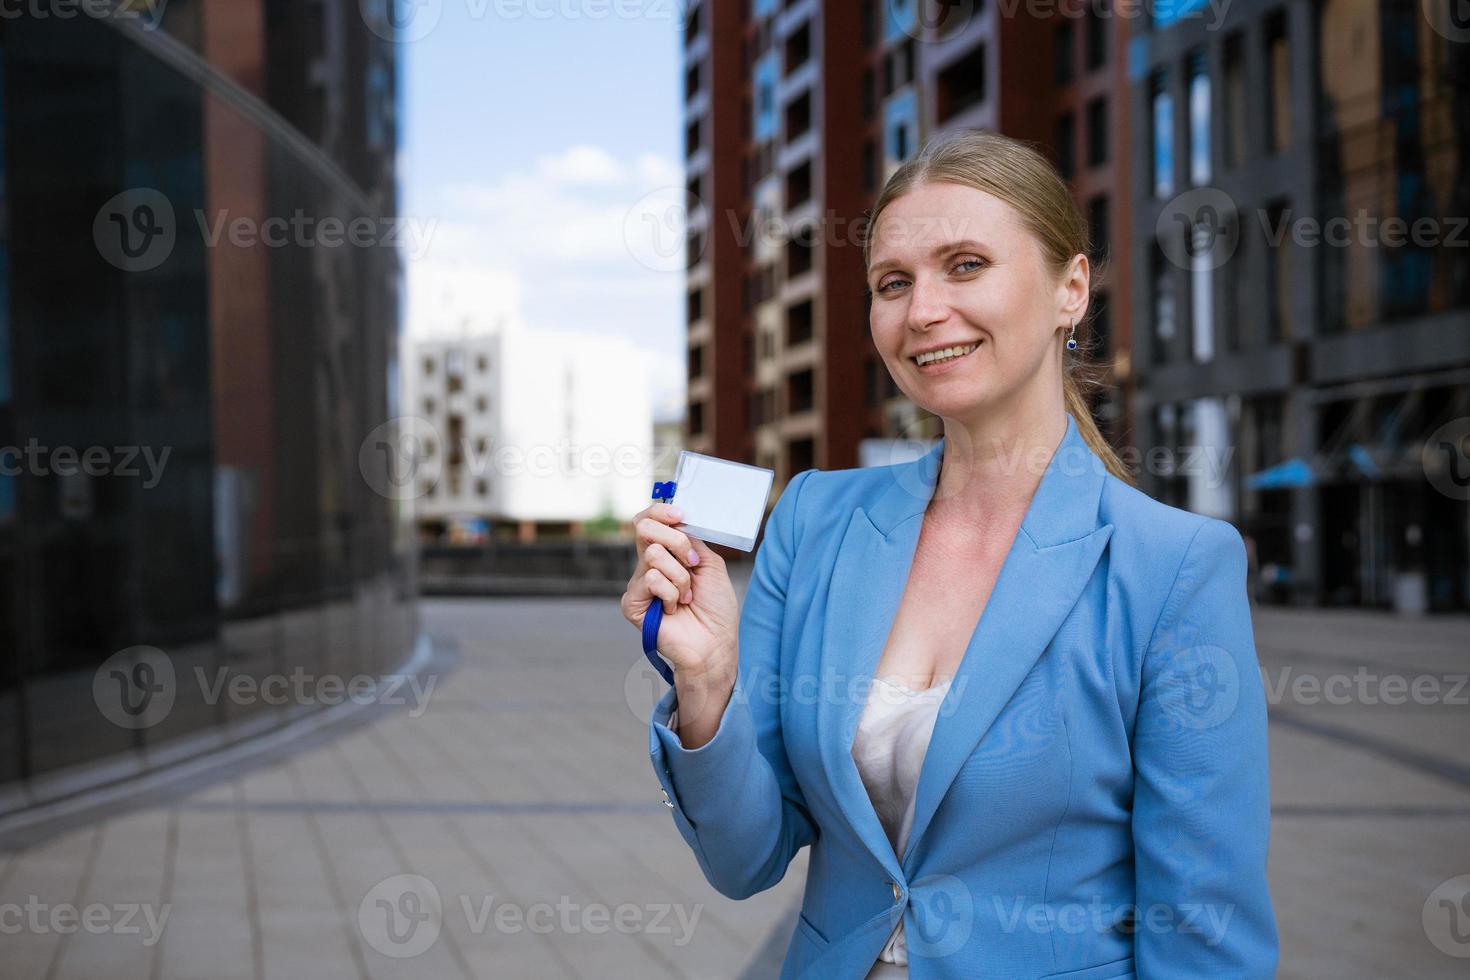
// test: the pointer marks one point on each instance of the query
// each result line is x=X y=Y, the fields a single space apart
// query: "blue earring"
x=1072 y=337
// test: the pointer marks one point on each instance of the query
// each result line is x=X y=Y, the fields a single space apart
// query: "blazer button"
x=667 y=802
x=897 y=892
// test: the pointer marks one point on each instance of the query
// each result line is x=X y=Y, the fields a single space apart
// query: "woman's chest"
x=946 y=593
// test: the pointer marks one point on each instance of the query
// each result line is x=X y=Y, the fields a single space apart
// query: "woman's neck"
x=992 y=465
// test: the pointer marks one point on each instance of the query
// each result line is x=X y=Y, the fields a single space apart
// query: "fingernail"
x=688 y=596
x=676 y=513
x=693 y=557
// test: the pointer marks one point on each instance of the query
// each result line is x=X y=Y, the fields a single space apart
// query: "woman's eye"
x=960 y=266
x=891 y=282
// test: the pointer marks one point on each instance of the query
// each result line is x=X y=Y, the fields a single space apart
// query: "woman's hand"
x=700 y=630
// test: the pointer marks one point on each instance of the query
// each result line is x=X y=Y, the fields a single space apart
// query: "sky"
x=541 y=145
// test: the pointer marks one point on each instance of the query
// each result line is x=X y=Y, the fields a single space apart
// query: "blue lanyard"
x=653 y=618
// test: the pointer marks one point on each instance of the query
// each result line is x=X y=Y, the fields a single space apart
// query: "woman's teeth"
x=947 y=354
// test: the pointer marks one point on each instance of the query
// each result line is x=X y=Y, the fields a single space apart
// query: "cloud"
x=548 y=246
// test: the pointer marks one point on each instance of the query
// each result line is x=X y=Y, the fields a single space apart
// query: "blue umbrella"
x=1292 y=473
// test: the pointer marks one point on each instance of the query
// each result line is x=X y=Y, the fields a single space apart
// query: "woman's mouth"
x=939 y=361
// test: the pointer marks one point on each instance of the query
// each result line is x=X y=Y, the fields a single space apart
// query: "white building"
x=539 y=429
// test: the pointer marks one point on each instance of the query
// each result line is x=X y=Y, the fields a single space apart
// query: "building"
x=166 y=316
x=1284 y=337
x=537 y=431
x=795 y=113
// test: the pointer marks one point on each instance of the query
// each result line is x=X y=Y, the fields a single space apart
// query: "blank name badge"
x=723 y=501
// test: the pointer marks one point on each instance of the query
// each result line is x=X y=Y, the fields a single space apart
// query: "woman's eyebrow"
x=934 y=253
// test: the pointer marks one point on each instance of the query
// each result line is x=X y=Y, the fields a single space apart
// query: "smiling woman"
x=1011 y=703
x=969 y=242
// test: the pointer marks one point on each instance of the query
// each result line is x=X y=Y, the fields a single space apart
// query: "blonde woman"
x=1010 y=702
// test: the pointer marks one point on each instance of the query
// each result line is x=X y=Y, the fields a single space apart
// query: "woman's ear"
x=1074 y=289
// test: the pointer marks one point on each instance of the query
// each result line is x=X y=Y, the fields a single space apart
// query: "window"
x=691 y=25
x=799 y=254
x=1278 y=90
x=798 y=47
x=798 y=116
x=870 y=166
x=1199 y=120
x=1278 y=276
x=900 y=127
x=1097 y=226
x=1235 y=103
x=696 y=304
x=870 y=93
x=898 y=67
x=1202 y=289
x=799 y=323
x=696 y=362
x=691 y=81
x=1162 y=120
x=1097 y=132
x=428 y=367
x=1063 y=45
x=763 y=78
x=1164 y=313
x=962 y=84
x=482 y=363
x=799 y=391
x=799 y=185
x=691 y=139
x=1064 y=140
x=1234 y=295
x=1097 y=38
x=801 y=454
x=696 y=418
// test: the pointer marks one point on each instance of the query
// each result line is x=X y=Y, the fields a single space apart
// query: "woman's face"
x=952 y=266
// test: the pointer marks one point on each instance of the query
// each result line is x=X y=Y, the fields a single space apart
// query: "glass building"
x=191 y=357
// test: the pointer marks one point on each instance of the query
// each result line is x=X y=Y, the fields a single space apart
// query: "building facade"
x=1300 y=337
x=170 y=316
x=795 y=114
x=536 y=433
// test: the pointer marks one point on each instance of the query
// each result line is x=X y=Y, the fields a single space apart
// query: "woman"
x=1011 y=702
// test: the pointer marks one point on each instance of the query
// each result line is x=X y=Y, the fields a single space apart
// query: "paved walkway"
x=513 y=828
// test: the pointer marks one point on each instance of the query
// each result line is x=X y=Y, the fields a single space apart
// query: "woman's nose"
x=927 y=303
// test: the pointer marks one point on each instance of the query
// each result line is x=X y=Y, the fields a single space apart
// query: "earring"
x=1072 y=337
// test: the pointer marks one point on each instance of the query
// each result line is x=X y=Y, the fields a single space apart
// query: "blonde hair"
x=1016 y=173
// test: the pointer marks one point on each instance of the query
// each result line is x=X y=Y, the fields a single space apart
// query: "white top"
x=889 y=746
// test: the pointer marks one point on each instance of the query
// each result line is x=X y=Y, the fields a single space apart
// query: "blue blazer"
x=1093 y=803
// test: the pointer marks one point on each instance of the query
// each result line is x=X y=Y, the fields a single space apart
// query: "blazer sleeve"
x=1201 y=808
x=735 y=799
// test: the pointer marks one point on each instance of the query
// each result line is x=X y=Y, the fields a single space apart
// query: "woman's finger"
x=678 y=543
x=661 y=587
x=657 y=556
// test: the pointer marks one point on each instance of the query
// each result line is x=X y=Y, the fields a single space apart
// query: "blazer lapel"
x=1049 y=563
